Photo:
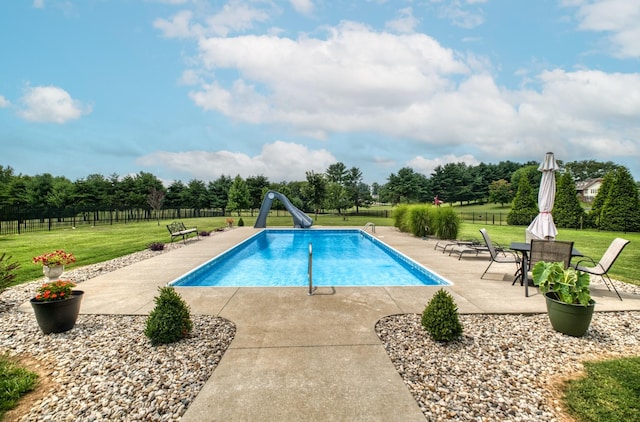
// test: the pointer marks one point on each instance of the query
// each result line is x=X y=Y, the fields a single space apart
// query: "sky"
x=193 y=89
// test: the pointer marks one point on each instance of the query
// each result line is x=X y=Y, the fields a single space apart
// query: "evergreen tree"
x=599 y=200
x=525 y=206
x=567 y=211
x=620 y=210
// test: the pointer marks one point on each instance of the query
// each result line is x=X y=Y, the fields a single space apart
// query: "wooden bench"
x=177 y=229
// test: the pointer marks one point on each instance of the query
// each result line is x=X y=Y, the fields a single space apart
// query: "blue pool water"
x=280 y=257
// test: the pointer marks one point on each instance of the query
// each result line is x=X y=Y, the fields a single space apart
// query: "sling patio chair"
x=508 y=256
x=603 y=266
x=547 y=251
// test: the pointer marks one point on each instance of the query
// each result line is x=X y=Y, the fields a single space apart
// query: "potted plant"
x=566 y=291
x=56 y=306
x=53 y=263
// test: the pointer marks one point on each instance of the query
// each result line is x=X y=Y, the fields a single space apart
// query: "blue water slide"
x=300 y=219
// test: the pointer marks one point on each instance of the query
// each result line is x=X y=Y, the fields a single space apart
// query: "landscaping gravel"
x=105 y=369
x=503 y=368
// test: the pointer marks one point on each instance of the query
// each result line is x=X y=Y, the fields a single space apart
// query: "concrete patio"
x=314 y=357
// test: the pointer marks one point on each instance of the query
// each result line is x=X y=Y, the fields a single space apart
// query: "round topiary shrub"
x=440 y=317
x=240 y=222
x=170 y=321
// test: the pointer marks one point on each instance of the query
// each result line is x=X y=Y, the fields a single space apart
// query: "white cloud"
x=4 y=102
x=409 y=87
x=460 y=13
x=179 y=26
x=302 y=6
x=278 y=161
x=619 y=18
x=50 y=104
x=235 y=16
x=405 y=23
x=190 y=77
x=353 y=80
x=427 y=166
x=38 y=4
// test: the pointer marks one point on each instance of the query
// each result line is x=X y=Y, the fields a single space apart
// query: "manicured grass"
x=91 y=245
x=592 y=243
x=609 y=392
x=15 y=382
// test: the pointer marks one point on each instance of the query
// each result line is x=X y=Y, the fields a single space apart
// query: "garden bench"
x=178 y=229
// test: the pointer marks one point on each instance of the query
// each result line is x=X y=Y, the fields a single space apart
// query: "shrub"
x=400 y=219
x=419 y=217
x=440 y=317
x=156 y=246
x=446 y=223
x=6 y=271
x=170 y=321
x=240 y=222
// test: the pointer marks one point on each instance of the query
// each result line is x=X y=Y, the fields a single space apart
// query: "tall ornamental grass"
x=426 y=220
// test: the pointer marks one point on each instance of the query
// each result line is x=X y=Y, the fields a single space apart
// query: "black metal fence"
x=494 y=218
x=16 y=220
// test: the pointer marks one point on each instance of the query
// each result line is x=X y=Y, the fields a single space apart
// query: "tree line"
x=338 y=188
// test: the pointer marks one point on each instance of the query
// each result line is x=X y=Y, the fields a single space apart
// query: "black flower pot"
x=59 y=315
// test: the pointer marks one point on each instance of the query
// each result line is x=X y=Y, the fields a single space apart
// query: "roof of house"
x=587 y=183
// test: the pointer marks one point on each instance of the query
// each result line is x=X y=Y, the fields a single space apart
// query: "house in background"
x=588 y=189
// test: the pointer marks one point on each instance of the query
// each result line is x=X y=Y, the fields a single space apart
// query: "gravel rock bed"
x=504 y=366
x=105 y=369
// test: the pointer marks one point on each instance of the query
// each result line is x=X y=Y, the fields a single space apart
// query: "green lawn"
x=608 y=393
x=591 y=243
x=15 y=382
x=91 y=245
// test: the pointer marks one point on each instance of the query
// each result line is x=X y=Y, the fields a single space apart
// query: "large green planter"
x=573 y=320
x=59 y=315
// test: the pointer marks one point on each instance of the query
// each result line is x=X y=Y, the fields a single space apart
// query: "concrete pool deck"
x=300 y=357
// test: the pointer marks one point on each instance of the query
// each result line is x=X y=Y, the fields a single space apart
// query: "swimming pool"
x=280 y=257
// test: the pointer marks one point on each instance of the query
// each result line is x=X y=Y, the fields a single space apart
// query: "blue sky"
x=191 y=89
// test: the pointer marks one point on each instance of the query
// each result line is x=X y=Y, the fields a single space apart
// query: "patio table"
x=524 y=248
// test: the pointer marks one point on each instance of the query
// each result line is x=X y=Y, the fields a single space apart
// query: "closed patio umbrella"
x=542 y=227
